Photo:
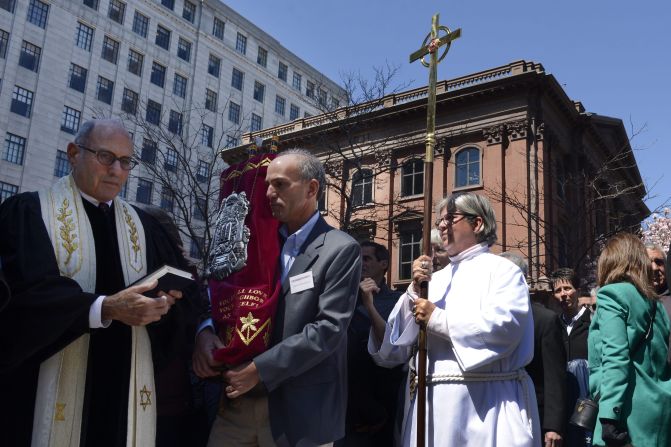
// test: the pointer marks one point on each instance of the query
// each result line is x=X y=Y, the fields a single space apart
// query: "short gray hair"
x=87 y=128
x=309 y=168
x=475 y=205
x=656 y=247
x=518 y=260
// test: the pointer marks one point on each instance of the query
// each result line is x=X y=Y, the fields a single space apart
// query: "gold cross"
x=430 y=46
x=145 y=397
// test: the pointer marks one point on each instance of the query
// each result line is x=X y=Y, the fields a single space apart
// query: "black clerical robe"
x=49 y=311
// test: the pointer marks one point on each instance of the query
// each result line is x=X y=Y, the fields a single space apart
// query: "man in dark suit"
x=297 y=389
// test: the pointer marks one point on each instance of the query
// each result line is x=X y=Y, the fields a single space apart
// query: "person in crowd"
x=587 y=299
x=628 y=346
x=659 y=282
x=479 y=336
x=548 y=366
x=575 y=320
x=373 y=391
x=440 y=257
x=79 y=344
x=294 y=393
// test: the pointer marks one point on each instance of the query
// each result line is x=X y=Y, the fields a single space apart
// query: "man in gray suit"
x=295 y=393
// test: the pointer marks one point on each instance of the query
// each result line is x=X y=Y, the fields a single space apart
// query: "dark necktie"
x=105 y=208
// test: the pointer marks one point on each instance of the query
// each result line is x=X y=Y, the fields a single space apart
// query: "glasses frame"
x=129 y=162
x=449 y=218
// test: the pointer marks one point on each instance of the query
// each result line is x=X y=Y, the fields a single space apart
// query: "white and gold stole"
x=61 y=383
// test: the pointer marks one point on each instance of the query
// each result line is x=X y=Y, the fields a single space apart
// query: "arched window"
x=362 y=187
x=467 y=167
x=412 y=177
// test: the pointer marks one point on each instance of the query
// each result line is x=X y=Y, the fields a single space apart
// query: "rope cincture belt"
x=432 y=379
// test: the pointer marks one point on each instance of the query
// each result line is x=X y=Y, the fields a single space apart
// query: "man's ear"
x=385 y=264
x=313 y=188
x=479 y=225
x=72 y=151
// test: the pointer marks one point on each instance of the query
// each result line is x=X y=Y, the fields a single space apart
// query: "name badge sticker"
x=301 y=282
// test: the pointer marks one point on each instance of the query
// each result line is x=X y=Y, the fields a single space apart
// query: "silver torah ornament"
x=231 y=236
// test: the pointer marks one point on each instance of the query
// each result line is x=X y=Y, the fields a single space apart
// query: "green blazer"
x=634 y=391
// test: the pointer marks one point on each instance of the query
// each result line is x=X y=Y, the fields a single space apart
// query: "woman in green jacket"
x=628 y=371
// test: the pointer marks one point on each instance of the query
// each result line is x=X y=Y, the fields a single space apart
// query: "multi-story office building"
x=197 y=68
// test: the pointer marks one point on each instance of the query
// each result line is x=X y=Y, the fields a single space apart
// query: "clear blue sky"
x=614 y=56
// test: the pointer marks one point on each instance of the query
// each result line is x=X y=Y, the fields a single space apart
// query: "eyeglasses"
x=450 y=218
x=106 y=158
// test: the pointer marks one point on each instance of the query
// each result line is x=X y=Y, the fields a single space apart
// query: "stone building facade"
x=560 y=178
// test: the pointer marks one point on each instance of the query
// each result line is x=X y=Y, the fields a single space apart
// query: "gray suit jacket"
x=305 y=370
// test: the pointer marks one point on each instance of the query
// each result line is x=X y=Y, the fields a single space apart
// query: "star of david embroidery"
x=145 y=397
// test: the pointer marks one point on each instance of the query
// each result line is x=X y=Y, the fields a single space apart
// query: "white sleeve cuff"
x=95 y=314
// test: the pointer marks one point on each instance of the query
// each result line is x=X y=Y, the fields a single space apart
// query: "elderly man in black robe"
x=79 y=346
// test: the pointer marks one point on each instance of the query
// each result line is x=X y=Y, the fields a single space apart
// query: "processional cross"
x=431 y=45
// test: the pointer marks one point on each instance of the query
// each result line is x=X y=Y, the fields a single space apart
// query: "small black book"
x=169 y=278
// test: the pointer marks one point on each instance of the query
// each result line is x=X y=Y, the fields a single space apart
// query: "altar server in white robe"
x=479 y=338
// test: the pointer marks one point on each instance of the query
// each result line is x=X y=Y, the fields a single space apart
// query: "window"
x=153 y=112
x=62 y=166
x=70 y=123
x=294 y=112
x=30 y=56
x=259 y=91
x=135 y=62
x=282 y=71
x=237 y=79
x=170 y=4
x=4 y=42
x=322 y=97
x=167 y=200
x=124 y=190
x=214 y=66
x=77 y=78
x=93 y=4
x=105 y=89
x=560 y=181
x=7 y=190
x=140 y=24
x=189 y=11
x=297 y=81
x=206 y=135
x=37 y=13
x=410 y=249
x=467 y=165
x=116 y=11
x=184 y=49
x=231 y=141
x=7 y=5
x=202 y=171
x=362 y=187
x=163 y=37
x=22 y=101
x=144 y=189
x=257 y=123
x=310 y=90
x=234 y=112
x=157 y=74
x=149 y=149
x=170 y=163
x=84 y=36
x=280 y=104
x=262 y=57
x=218 y=29
x=412 y=177
x=321 y=203
x=210 y=100
x=15 y=146
x=110 y=50
x=200 y=208
x=334 y=103
x=129 y=101
x=179 y=86
x=175 y=122
x=241 y=44
x=195 y=250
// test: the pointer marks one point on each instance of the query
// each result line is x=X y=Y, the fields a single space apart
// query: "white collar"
x=470 y=253
x=90 y=199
